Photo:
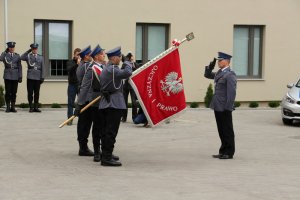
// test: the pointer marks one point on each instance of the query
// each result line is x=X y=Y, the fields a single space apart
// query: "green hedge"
x=55 y=105
x=194 y=105
x=24 y=105
x=2 y=101
x=253 y=104
x=237 y=104
x=274 y=104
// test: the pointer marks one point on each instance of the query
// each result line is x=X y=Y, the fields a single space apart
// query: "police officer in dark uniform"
x=35 y=75
x=223 y=103
x=12 y=75
x=88 y=92
x=84 y=119
x=112 y=104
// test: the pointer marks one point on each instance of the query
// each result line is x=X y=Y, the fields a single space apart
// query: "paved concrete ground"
x=39 y=160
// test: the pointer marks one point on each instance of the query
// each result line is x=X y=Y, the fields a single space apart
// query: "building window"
x=151 y=40
x=247 y=51
x=54 y=39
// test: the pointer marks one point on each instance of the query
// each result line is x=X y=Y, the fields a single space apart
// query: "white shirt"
x=225 y=68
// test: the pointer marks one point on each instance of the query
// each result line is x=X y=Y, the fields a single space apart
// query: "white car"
x=290 y=105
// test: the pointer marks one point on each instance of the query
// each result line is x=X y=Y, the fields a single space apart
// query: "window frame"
x=251 y=31
x=145 y=31
x=45 y=41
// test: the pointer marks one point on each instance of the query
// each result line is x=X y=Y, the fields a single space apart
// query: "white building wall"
x=113 y=23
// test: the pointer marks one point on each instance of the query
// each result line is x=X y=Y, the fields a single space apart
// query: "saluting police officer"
x=112 y=105
x=84 y=119
x=89 y=90
x=12 y=75
x=35 y=75
x=223 y=103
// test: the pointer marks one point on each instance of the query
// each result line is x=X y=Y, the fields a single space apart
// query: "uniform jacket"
x=36 y=68
x=225 y=89
x=111 y=81
x=12 y=66
x=87 y=93
x=81 y=70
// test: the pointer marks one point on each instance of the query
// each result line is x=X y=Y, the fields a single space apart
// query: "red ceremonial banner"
x=159 y=88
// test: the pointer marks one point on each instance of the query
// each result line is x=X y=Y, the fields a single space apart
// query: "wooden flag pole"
x=82 y=110
x=175 y=45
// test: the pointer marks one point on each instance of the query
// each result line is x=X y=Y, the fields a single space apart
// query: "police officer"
x=35 y=75
x=12 y=75
x=112 y=104
x=89 y=90
x=84 y=119
x=223 y=103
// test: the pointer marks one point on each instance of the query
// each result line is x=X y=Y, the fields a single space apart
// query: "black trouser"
x=133 y=103
x=85 y=120
x=33 y=87
x=226 y=133
x=97 y=129
x=110 y=122
x=11 y=88
x=84 y=126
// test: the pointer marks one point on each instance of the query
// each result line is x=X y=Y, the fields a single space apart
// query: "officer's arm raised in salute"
x=125 y=72
x=208 y=70
x=24 y=56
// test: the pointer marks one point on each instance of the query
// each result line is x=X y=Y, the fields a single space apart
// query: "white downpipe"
x=5 y=22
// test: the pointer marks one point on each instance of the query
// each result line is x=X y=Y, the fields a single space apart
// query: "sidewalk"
x=39 y=161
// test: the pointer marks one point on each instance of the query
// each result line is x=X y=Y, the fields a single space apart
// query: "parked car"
x=290 y=105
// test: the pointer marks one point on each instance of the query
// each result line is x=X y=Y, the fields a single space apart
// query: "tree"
x=209 y=95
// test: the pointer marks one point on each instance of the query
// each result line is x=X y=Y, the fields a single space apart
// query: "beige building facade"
x=263 y=37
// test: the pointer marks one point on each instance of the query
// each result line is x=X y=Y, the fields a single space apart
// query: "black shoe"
x=123 y=119
x=217 y=155
x=97 y=157
x=225 y=156
x=7 y=109
x=36 y=110
x=13 y=110
x=12 y=107
x=85 y=152
x=111 y=162
x=31 y=110
x=114 y=157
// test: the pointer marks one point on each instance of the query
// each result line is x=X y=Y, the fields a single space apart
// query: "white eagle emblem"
x=172 y=84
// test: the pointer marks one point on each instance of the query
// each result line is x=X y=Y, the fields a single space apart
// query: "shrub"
x=237 y=104
x=55 y=105
x=129 y=105
x=24 y=105
x=194 y=105
x=274 y=104
x=2 y=102
x=253 y=104
x=209 y=95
